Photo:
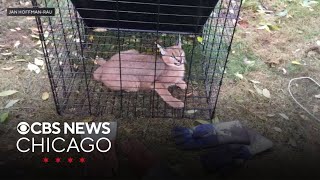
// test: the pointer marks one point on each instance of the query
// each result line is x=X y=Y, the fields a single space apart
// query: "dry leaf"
x=34 y=36
x=7 y=54
x=266 y=93
x=254 y=81
x=33 y=67
x=240 y=76
x=7 y=68
x=46 y=34
x=284 y=116
x=277 y=129
x=296 y=62
x=191 y=111
x=7 y=93
x=16 y=44
x=45 y=96
x=247 y=62
x=259 y=91
x=202 y=121
x=100 y=30
x=38 y=62
x=271 y=115
x=40 y=52
x=11 y=103
x=88 y=119
x=284 y=71
x=20 y=60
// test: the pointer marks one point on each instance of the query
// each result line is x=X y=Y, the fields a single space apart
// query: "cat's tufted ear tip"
x=162 y=51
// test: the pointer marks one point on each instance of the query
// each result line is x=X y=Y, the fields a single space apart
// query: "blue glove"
x=202 y=136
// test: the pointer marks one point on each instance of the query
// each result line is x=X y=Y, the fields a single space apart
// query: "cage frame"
x=60 y=107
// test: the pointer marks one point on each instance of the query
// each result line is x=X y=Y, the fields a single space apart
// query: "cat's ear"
x=162 y=51
x=179 y=43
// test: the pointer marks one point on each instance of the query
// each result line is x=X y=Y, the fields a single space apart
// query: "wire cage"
x=132 y=43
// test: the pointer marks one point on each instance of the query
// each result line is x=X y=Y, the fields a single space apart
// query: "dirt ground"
x=272 y=57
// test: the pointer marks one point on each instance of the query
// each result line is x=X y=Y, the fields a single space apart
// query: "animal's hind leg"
x=163 y=92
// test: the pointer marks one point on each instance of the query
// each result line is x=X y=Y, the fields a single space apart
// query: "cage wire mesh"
x=83 y=31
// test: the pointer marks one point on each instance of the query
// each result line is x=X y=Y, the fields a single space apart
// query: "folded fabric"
x=209 y=135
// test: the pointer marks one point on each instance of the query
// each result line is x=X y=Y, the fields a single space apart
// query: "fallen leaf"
x=317 y=96
x=45 y=96
x=284 y=71
x=259 y=91
x=12 y=30
x=18 y=29
x=100 y=30
x=7 y=93
x=40 y=52
x=254 y=81
x=273 y=27
x=266 y=93
x=277 y=129
x=45 y=34
x=282 y=13
x=11 y=103
x=33 y=67
x=7 y=68
x=284 y=116
x=16 y=44
x=191 y=111
x=296 y=62
x=20 y=60
x=240 y=76
x=200 y=39
x=7 y=54
x=38 y=62
x=202 y=121
x=215 y=120
x=91 y=38
x=247 y=62
x=34 y=36
x=271 y=115
x=4 y=116
x=88 y=119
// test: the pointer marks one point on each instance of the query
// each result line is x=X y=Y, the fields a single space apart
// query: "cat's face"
x=174 y=55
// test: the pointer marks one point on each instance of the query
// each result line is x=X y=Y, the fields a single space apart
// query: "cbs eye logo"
x=23 y=128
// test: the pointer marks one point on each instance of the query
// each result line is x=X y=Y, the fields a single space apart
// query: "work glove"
x=209 y=135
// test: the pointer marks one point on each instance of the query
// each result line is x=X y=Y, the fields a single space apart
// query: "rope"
x=289 y=89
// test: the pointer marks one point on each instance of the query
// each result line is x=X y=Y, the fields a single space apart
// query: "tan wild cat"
x=138 y=72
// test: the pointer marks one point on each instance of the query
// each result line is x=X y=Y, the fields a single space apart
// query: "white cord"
x=289 y=89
